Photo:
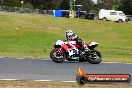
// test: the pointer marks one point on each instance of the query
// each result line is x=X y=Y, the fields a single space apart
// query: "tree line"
x=88 y=5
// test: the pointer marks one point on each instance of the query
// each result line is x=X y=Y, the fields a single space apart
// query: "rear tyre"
x=104 y=19
x=57 y=57
x=94 y=57
x=120 y=20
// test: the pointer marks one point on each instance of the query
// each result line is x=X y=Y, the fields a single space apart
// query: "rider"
x=73 y=37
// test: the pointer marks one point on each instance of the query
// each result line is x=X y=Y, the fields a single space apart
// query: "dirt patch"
x=53 y=28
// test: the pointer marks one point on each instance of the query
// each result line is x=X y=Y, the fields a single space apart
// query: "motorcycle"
x=71 y=51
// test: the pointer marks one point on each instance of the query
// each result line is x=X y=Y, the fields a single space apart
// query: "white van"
x=112 y=15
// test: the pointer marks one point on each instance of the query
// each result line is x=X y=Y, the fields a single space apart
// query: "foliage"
x=126 y=6
x=87 y=4
x=115 y=7
x=13 y=3
x=2 y=2
x=107 y=4
x=65 y=4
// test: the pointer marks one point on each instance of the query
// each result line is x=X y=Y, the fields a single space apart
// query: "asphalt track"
x=43 y=70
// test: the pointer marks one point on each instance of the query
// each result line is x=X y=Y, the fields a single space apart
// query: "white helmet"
x=70 y=35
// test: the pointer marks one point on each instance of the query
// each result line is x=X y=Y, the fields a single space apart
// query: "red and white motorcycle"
x=71 y=51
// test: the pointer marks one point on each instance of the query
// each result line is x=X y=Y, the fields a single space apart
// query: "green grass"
x=32 y=84
x=33 y=36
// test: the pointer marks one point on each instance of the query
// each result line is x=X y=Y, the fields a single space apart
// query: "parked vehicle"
x=71 y=51
x=112 y=15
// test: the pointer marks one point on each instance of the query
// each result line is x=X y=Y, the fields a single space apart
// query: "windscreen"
x=121 y=14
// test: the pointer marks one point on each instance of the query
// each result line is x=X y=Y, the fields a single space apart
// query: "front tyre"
x=57 y=56
x=94 y=57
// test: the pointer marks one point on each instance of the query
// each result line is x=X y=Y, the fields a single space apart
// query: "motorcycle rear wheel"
x=94 y=57
x=57 y=57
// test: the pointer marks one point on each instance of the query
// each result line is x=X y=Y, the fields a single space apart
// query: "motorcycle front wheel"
x=94 y=57
x=57 y=57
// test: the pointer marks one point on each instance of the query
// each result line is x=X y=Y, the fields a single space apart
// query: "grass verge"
x=31 y=84
x=33 y=36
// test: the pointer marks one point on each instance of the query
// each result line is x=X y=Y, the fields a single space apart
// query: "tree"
x=12 y=3
x=87 y=4
x=56 y=4
x=41 y=4
x=108 y=4
x=2 y=2
x=65 y=4
x=126 y=6
x=45 y=4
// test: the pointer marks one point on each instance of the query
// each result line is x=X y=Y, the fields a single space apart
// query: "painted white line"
x=111 y=62
x=117 y=62
x=51 y=81
x=68 y=81
x=128 y=63
x=9 y=79
x=38 y=80
x=43 y=80
x=20 y=58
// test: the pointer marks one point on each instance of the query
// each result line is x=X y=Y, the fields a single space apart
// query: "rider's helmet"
x=70 y=35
